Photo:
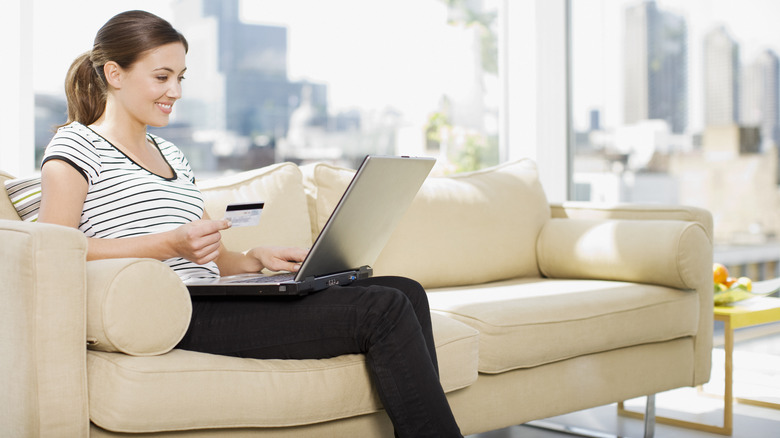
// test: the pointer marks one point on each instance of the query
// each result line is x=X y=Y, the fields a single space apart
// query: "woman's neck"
x=132 y=141
x=121 y=129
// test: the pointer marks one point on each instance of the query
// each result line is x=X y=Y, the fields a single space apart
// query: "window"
x=677 y=102
x=268 y=83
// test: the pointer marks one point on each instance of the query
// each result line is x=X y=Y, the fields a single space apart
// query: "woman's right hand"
x=198 y=241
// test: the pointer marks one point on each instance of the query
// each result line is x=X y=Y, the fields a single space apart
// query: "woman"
x=133 y=195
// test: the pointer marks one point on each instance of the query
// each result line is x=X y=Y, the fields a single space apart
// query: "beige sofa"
x=538 y=310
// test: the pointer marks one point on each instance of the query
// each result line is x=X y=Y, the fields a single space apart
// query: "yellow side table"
x=748 y=313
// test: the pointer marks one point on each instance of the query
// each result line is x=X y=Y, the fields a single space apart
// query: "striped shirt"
x=124 y=199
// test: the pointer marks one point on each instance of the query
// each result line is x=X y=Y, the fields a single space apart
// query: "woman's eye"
x=181 y=78
x=162 y=78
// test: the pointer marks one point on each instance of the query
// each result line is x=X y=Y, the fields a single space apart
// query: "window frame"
x=538 y=36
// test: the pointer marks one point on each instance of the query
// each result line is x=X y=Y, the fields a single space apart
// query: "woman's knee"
x=413 y=290
x=387 y=300
x=386 y=310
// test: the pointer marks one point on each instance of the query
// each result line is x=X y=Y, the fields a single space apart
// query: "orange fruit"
x=730 y=282
x=719 y=273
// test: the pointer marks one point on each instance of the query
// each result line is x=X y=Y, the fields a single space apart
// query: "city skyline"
x=241 y=93
x=352 y=66
x=598 y=36
x=596 y=27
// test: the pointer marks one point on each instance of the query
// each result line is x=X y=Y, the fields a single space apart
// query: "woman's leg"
x=419 y=300
x=387 y=319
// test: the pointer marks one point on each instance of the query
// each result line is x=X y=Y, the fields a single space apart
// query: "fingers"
x=288 y=266
x=295 y=254
x=216 y=225
x=200 y=241
x=280 y=258
x=206 y=254
x=280 y=264
x=295 y=257
x=205 y=228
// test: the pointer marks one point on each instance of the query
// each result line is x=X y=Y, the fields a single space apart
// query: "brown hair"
x=123 y=39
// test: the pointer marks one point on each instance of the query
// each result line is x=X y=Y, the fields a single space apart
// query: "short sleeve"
x=73 y=145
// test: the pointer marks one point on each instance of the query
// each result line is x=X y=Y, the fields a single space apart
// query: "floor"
x=756 y=375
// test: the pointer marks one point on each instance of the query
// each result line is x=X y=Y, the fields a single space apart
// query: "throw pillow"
x=138 y=307
x=25 y=195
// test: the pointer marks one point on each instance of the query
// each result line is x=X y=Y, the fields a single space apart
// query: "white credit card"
x=244 y=214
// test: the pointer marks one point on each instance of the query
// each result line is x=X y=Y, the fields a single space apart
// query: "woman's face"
x=149 y=88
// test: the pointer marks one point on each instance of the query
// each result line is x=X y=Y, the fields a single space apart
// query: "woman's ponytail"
x=85 y=92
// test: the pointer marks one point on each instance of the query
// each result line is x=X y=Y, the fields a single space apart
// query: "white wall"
x=17 y=145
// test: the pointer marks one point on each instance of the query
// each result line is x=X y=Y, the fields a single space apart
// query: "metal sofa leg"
x=649 y=419
x=650 y=416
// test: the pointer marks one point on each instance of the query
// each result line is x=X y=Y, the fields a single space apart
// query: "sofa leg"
x=650 y=416
x=578 y=431
x=569 y=430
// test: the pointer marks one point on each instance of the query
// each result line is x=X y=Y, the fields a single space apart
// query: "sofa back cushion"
x=462 y=229
x=284 y=221
x=285 y=217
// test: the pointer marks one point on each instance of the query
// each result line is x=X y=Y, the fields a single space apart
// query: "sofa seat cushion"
x=184 y=390
x=524 y=323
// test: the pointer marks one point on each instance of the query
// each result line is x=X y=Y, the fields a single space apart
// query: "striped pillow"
x=25 y=195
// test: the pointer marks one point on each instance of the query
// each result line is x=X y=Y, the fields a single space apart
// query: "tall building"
x=655 y=66
x=248 y=93
x=760 y=105
x=721 y=78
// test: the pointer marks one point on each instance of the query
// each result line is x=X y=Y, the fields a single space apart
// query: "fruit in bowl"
x=728 y=289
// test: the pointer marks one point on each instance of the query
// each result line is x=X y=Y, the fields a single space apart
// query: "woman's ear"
x=113 y=73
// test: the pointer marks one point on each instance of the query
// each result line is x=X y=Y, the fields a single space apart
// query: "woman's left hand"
x=279 y=258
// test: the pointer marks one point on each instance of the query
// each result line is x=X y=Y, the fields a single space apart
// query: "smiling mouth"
x=165 y=107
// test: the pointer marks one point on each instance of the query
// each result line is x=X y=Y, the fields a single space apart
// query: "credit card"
x=244 y=214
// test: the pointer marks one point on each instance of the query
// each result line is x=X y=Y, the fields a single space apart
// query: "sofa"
x=539 y=309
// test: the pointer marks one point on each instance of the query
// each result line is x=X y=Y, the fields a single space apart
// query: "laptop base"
x=285 y=288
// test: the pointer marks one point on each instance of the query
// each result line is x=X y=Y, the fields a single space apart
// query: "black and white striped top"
x=124 y=199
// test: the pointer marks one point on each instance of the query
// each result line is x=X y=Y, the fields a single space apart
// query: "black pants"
x=385 y=318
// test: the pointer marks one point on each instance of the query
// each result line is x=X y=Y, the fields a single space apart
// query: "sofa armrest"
x=665 y=245
x=665 y=252
x=43 y=330
x=54 y=303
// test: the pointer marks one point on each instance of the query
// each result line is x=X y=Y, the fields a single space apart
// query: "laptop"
x=350 y=242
